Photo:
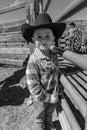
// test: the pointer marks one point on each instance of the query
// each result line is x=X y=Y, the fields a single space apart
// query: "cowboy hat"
x=43 y=20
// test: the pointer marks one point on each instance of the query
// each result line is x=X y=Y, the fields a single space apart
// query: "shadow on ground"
x=11 y=93
x=13 y=96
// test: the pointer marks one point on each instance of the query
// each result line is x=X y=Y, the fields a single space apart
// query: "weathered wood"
x=77 y=86
x=72 y=9
x=10 y=33
x=86 y=121
x=77 y=98
x=13 y=29
x=12 y=38
x=10 y=30
x=12 y=62
x=13 y=44
x=80 y=80
x=13 y=6
x=70 y=117
x=63 y=121
x=13 y=23
x=15 y=50
x=47 y=5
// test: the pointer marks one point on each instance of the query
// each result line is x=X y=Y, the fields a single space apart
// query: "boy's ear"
x=33 y=39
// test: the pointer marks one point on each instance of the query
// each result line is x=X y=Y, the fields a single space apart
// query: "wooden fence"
x=13 y=48
x=11 y=40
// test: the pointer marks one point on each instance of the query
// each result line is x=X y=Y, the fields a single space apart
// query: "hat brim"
x=28 y=30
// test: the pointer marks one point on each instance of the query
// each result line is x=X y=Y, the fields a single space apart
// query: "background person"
x=75 y=37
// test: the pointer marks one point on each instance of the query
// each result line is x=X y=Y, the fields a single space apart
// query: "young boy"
x=42 y=68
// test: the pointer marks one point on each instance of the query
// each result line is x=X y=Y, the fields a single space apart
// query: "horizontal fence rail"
x=13 y=6
x=11 y=38
x=12 y=24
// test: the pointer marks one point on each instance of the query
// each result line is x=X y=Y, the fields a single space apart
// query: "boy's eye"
x=39 y=37
x=47 y=37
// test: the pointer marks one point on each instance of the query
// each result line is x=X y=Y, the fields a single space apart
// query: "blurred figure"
x=75 y=37
x=72 y=31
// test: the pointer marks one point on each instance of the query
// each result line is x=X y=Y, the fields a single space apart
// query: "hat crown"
x=42 y=19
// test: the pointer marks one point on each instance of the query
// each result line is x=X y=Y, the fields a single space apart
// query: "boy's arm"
x=34 y=84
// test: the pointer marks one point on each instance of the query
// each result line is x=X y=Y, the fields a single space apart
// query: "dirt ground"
x=15 y=114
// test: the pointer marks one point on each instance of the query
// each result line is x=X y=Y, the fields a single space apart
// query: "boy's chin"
x=44 y=48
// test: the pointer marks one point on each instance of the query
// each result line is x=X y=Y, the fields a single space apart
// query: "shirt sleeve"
x=82 y=50
x=78 y=47
x=34 y=84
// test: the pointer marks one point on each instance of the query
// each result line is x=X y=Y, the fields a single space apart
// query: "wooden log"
x=81 y=81
x=81 y=74
x=15 y=50
x=11 y=62
x=13 y=44
x=47 y=6
x=70 y=117
x=63 y=121
x=72 y=9
x=86 y=121
x=10 y=33
x=11 y=38
x=11 y=24
x=13 y=29
x=80 y=89
x=74 y=94
x=12 y=7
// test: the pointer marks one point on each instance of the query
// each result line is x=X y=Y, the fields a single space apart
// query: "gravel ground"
x=15 y=114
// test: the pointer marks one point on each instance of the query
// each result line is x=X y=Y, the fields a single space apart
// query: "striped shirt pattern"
x=78 y=47
x=42 y=75
x=83 y=49
x=78 y=40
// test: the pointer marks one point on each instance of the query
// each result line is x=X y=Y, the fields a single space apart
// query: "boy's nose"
x=43 y=39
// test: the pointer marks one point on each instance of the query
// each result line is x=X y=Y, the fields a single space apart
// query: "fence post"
x=33 y=8
x=86 y=120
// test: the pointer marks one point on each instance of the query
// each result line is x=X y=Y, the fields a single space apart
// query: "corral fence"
x=14 y=50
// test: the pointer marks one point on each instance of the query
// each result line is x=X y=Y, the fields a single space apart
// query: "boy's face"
x=43 y=38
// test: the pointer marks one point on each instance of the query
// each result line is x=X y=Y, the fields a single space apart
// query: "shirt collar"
x=39 y=54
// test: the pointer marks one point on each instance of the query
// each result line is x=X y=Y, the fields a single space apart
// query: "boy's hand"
x=54 y=98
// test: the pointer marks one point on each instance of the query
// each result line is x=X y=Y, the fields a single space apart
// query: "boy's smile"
x=43 y=38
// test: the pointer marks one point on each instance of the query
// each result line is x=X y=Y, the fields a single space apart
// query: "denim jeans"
x=43 y=115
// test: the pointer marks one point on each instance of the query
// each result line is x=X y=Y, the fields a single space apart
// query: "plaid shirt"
x=42 y=75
